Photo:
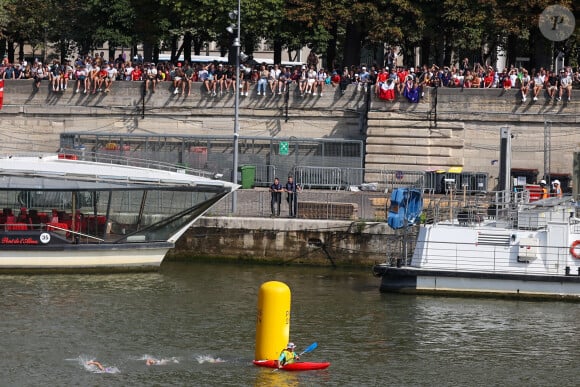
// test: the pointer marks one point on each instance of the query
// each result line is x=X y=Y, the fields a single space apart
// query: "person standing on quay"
x=292 y=189
x=276 y=190
x=545 y=191
x=557 y=190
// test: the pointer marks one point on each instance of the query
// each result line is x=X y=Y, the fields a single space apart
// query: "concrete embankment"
x=285 y=241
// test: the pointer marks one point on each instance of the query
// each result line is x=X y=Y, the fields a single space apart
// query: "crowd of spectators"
x=90 y=75
x=411 y=81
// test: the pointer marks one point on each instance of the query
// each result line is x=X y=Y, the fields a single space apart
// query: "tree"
x=151 y=25
x=316 y=24
x=115 y=23
x=25 y=21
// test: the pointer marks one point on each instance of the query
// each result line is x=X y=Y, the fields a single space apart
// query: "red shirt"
x=402 y=76
x=136 y=74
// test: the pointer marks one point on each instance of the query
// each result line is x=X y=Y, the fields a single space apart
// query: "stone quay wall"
x=448 y=128
x=461 y=128
x=285 y=241
x=32 y=120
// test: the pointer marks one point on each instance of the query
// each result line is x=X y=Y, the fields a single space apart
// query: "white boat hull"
x=413 y=280
x=79 y=257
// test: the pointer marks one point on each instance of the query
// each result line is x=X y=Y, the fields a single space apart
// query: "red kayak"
x=298 y=366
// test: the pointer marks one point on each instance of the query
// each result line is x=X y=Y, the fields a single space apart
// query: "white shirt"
x=513 y=79
x=128 y=72
x=566 y=80
x=525 y=80
x=152 y=72
x=112 y=73
x=275 y=74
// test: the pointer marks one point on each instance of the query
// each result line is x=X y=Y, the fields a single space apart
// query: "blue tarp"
x=406 y=207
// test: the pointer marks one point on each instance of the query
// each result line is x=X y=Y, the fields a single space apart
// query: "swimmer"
x=209 y=359
x=150 y=360
x=97 y=367
x=96 y=363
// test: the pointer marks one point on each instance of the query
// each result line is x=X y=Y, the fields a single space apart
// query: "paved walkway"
x=256 y=202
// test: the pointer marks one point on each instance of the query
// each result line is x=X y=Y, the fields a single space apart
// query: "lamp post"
x=237 y=46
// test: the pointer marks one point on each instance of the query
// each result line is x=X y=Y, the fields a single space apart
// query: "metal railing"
x=456 y=257
x=507 y=209
x=121 y=159
x=318 y=177
x=265 y=175
x=364 y=179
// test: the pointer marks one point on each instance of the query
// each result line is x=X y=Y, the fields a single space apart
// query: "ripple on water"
x=202 y=311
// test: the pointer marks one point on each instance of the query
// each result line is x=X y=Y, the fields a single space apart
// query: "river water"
x=200 y=318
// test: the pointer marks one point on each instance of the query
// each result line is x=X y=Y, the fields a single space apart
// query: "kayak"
x=298 y=366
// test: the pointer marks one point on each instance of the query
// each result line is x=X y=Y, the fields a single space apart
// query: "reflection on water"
x=273 y=377
x=193 y=312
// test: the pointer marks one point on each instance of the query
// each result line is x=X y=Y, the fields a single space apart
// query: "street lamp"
x=235 y=16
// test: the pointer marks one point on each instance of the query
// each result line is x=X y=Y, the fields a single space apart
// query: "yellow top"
x=287 y=357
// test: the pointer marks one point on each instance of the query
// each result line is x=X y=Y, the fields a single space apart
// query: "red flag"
x=1 y=92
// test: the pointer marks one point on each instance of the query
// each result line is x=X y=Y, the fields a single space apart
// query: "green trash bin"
x=248 y=173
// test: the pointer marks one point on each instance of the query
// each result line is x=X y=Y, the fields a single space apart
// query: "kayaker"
x=288 y=355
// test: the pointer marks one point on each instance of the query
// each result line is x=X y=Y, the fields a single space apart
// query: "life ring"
x=573 y=250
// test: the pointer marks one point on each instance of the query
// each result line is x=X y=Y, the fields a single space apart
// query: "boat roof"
x=51 y=173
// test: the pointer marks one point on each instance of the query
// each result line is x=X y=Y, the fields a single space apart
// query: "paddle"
x=310 y=348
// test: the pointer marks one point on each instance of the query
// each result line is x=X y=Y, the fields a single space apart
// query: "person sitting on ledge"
x=539 y=80
x=525 y=84
x=565 y=84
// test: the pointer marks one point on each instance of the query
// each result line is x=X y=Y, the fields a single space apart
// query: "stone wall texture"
x=447 y=128
x=285 y=241
x=461 y=127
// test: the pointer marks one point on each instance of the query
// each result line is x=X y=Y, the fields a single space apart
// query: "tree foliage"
x=339 y=30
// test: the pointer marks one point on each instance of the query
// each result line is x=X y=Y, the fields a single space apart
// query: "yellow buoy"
x=272 y=320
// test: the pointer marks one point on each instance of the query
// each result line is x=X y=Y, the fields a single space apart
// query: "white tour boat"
x=61 y=213
x=498 y=244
